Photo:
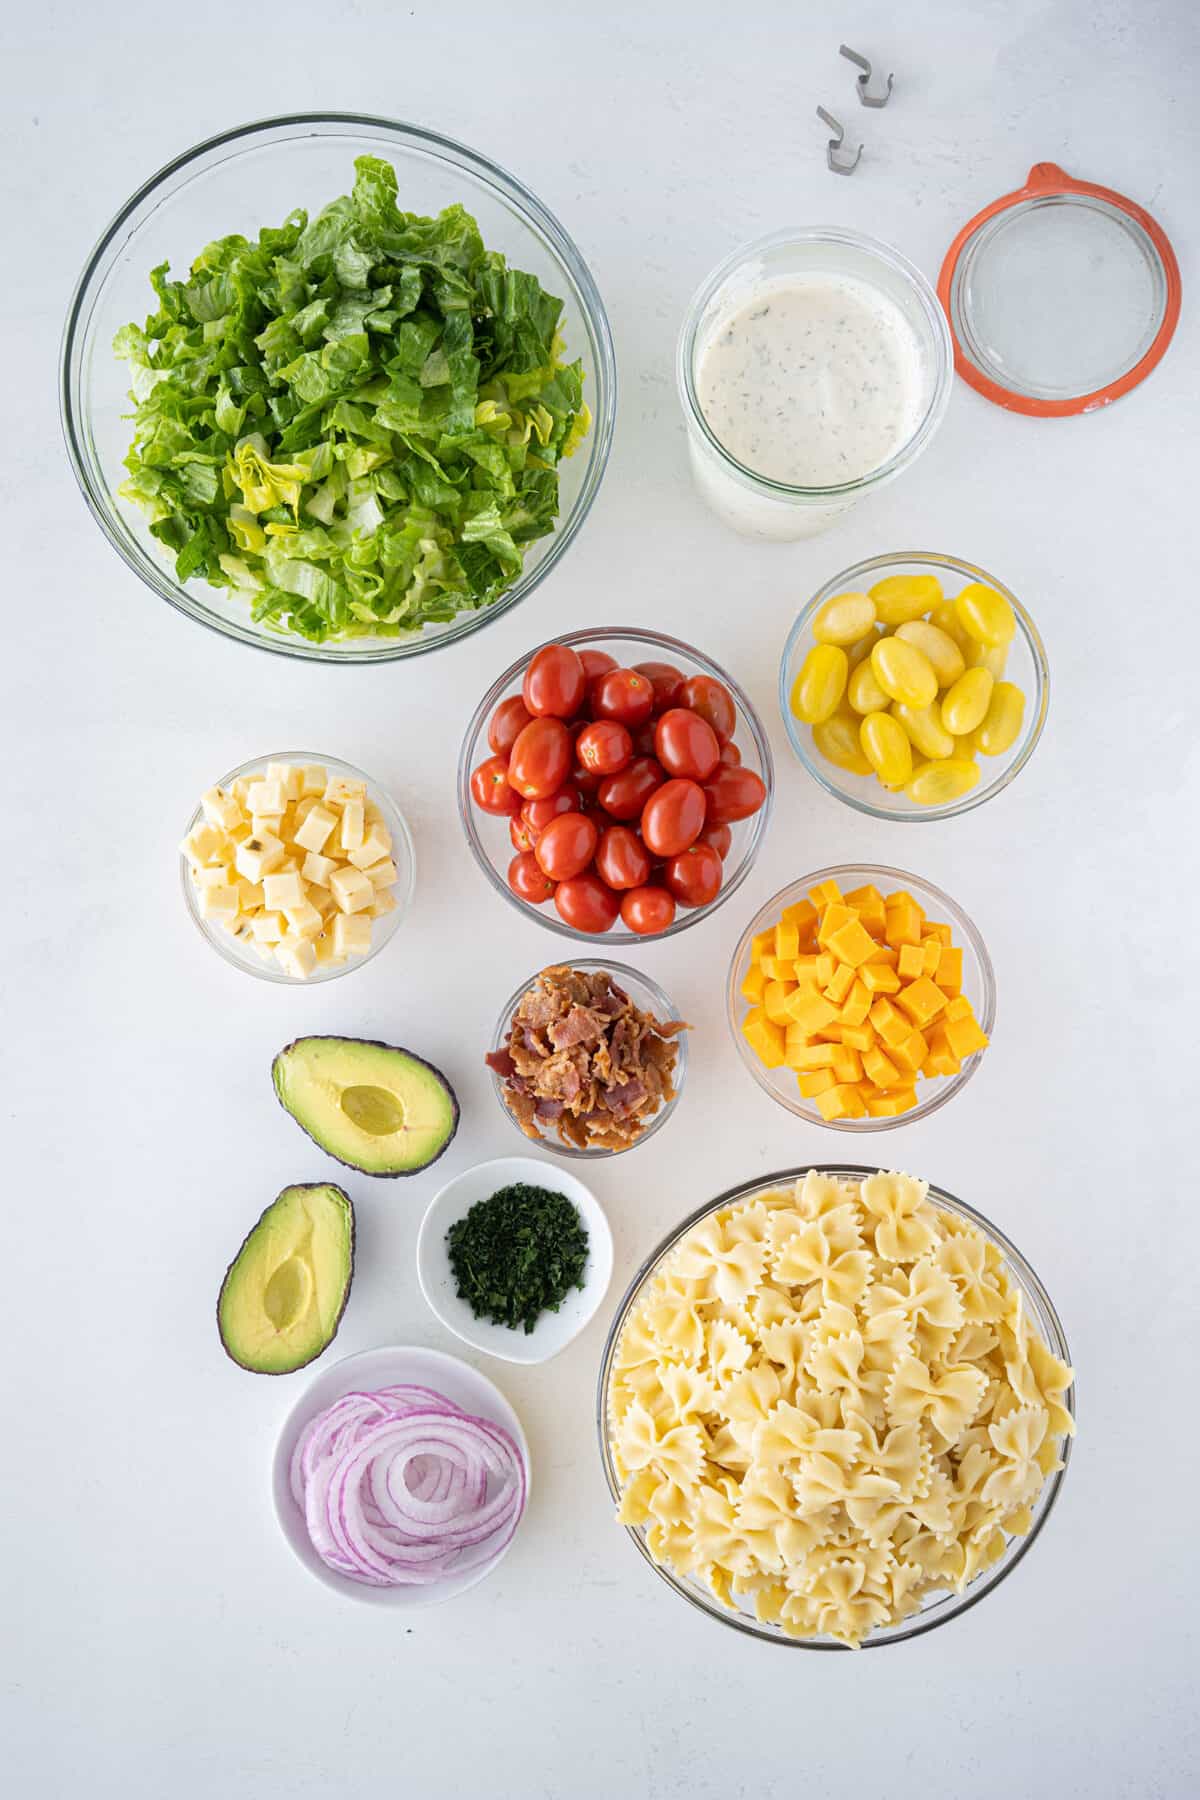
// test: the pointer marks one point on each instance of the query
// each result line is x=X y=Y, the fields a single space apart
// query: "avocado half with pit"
x=285 y=1291
x=373 y=1107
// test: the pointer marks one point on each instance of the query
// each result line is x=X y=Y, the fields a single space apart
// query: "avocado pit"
x=375 y=1110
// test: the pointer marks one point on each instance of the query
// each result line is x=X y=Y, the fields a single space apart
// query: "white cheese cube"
x=313 y=779
x=313 y=834
x=317 y=869
x=371 y=812
x=351 y=889
x=376 y=844
x=241 y=788
x=304 y=919
x=203 y=879
x=221 y=809
x=382 y=874
x=241 y=834
x=250 y=895
x=297 y=956
x=289 y=777
x=281 y=891
x=351 y=937
x=323 y=945
x=267 y=927
x=350 y=832
x=323 y=900
x=258 y=856
x=266 y=799
x=221 y=903
x=384 y=902
x=340 y=788
x=289 y=866
x=203 y=845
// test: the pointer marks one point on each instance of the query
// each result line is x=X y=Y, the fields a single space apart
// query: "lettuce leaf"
x=354 y=422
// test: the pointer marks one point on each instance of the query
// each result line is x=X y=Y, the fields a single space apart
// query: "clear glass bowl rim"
x=664 y=1008
x=278 y=129
x=685 y=917
x=397 y=824
x=848 y=580
x=948 y=1606
x=943 y=380
x=941 y=1091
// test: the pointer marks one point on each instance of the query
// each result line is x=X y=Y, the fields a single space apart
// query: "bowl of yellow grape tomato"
x=914 y=686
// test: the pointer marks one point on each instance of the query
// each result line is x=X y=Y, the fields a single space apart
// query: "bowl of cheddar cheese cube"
x=297 y=867
x=861 y=997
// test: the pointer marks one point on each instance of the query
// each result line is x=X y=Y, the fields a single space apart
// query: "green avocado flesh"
x=284 y=1293
x=371 y=1106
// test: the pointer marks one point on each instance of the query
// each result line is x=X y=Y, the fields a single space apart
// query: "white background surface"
x=159 y=1636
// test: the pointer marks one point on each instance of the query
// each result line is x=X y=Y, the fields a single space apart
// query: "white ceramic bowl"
x=554 y=1330
x=368 y=1370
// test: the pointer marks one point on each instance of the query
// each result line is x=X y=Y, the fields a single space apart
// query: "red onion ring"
x=401 y=1487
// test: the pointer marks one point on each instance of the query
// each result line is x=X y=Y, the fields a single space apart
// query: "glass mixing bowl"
x=978 y=984
x=488 y=835
x=938 y=1608
x=243 y=955
x=1026 y=666
x=254 y=176
x=644 y=993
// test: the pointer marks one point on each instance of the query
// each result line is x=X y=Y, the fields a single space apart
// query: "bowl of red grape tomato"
x=514 y=1257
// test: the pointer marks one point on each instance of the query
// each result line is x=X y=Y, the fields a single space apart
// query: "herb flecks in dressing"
x=813 y=381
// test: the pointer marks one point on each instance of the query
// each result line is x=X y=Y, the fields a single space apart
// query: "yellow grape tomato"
x=836 y=738
x=925 y=729
x=844 y=619
x=965 y=704
x=904 y=672
x=886 y=747
x=941 y=649
x=985 y=615
x=1002 y=722
x=864 y=692
x=857 y=653
x=820 y=684
x=939 y=783
x=901 y=597
x=992 y=657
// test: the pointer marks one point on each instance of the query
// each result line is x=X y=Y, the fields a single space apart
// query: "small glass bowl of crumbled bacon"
x=589 y=1058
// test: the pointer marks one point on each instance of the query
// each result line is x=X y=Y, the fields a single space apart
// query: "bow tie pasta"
x=830 y=1402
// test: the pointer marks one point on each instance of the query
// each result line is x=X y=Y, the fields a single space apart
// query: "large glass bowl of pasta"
x=835 y=1407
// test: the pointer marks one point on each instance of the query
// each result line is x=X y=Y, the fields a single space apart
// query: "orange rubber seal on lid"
x=1048 y=178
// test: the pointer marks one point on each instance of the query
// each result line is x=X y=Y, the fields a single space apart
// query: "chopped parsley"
x=518 y=1255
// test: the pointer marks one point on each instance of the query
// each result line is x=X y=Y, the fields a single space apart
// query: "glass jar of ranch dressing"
x=813 y=366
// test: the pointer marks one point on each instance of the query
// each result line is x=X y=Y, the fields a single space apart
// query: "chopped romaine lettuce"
x=354 y=423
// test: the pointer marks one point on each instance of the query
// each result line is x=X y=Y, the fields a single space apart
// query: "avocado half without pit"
x=285 y=1291
x=373 y=1107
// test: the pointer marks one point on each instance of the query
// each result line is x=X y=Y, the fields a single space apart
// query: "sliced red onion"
x=402 y=1487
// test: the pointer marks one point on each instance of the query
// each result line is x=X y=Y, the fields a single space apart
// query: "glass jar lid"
x=1061 y=296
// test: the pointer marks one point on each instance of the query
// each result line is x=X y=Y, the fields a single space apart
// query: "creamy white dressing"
x=812 y=380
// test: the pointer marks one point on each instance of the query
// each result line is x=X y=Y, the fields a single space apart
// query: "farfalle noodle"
x=830 y=1403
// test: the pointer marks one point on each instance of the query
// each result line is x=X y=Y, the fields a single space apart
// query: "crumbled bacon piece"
x=582 y=1057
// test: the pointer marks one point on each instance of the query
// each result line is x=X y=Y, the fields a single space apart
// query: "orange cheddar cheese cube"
x=942 y=933
x=754 y=984
x=847 y=1064
x=879 y=1067
x=959 y=1008
x=851 y=942
x=879 y=978
x=814 y=1056
x=802 y=914
x=774 y=1000
x=964 y=1037
x=812 y=1082
x=858 y=1037
x=787 y=942
x=889 y=1024
x=839 y=983
x=762 y=943
x=911 y=962
x=948 y=973
x=856 y=1005
x=832 y=919
x=868 y=904
x=910 y=1053
x=842 y=1102
x=805 y=1007
x=892 y=1104
x=903 y=921
x=764 y=1038
x=931 y=954
x=922 y=1000
x=825 y=894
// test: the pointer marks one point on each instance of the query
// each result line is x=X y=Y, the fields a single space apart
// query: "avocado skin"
x=293 y=1187
x=366 y=1044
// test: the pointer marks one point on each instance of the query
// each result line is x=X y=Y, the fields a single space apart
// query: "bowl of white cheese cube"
x=297 y=867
